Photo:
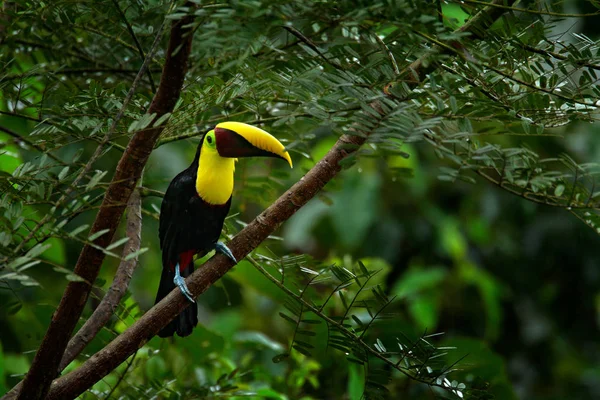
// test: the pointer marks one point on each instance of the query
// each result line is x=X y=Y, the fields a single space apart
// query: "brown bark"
x=129 y=169
x=116 y=352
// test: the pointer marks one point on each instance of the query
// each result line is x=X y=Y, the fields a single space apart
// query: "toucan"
x=195 y=206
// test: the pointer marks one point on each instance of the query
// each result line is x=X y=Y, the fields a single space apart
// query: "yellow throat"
x=214 y=180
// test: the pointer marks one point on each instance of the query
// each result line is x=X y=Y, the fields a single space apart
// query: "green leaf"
x=63 y=173
x=135 y=254
x=78 y=230
x=95 y=179
x=142 y=123
x=302 y=350
x=162 y=119
x=257 y=338
x=96 y=235
x=280 y=357
x=117 y=243
x=288 y=318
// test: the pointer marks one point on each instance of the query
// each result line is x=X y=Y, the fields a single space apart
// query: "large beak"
x=236 y=139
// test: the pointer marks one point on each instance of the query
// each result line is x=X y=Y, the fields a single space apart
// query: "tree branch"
x=129 y=169
x=20 y=140
x=136 y=41
x=116 y=352
x=477 y=26
x=528 y=11
x=118 y=288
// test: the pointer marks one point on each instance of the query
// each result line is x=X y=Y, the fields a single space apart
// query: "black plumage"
x=188 y=225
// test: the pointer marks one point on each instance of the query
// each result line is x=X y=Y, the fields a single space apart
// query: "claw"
x=180 y=282
x=223 y=249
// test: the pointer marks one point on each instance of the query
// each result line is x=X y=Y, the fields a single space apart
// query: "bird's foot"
x=223 y=249
x=180 y=282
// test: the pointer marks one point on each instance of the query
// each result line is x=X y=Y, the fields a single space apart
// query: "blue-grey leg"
x=180 y=282
x=223 y=249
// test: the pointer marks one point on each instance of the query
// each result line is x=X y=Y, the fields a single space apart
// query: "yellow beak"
x=264 y=143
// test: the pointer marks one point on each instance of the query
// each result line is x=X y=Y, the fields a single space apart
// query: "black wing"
x=186 y=221
x=175 y=215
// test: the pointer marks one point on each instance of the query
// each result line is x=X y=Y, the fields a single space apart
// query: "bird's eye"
x=210 y=139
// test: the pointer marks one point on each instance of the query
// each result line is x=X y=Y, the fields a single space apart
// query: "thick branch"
x=116 y=352
x=45 y=364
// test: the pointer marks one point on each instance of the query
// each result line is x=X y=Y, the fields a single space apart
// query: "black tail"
x=185 y=322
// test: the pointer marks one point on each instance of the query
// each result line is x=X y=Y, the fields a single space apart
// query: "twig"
x=121 y=377
x=147 y=192
x=128 y=171
x=389 y=53
x=558 y=56
x=70 y=53
x=136 y=41
x=19 y=138
x=313 y=46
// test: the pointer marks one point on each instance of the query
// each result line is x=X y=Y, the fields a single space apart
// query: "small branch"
x=147 y=192
x=99 y=365
x=116 y=39
x=558 y=56
x=477 y=26
x=122 y=376
x=27 y=117
x=117 y=290
x=340 y=326
x=62 y=51
x=313 y=46
x=521 y=82
x=73 y=71
x=389 y=53
x=20 y=139
x=526 y=10
x=136 y=41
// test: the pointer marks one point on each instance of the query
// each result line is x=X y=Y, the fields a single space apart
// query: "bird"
x=195 y=205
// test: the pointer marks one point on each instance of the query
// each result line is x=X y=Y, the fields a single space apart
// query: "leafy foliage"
x=512 y=108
